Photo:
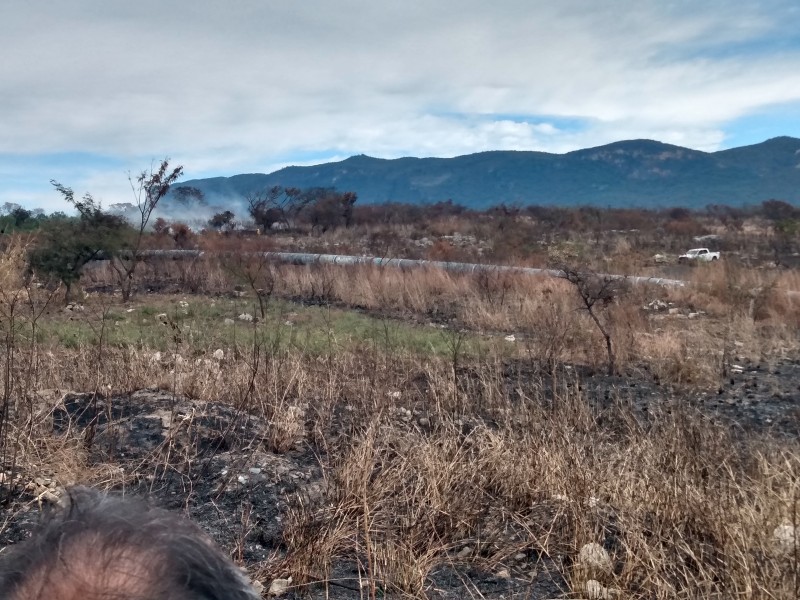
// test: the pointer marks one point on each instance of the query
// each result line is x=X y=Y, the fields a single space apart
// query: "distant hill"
x=640 y=173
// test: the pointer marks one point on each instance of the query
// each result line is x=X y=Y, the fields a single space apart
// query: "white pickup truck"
x=698 y=255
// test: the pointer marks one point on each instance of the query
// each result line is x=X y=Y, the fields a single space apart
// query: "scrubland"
x=460 y=435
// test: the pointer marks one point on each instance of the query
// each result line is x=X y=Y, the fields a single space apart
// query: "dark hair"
x=105 y=547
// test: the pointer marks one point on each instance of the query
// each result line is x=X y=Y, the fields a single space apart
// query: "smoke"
x=193 y=213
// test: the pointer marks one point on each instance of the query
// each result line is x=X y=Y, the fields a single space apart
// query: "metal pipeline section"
x=303 y=258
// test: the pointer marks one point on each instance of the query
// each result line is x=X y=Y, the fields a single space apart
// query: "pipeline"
x=302 y=258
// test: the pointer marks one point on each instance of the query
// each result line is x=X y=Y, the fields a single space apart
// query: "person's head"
x=103 y=547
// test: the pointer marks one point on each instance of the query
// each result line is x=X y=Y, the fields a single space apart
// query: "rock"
x=520 y=556
x=510 y=338
x=503 y=574
x=595 y=560
x=596 y=591
x=278 y=587
x=155 y=357
x=246 y=317
x=218 y=354
x=394 y=395
x=673 y=311
x=785 y=537
x=424 y=422
x=162 y=317
x=228 y=321
x=257 y=586
x=464 y=552
x=657 y=305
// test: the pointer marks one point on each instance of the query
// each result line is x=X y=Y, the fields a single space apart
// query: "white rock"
x=596 y=591
x=595 y=558
x=464 y=552
x=278 y=587
x=162 y=317
x=503 y=574
x=245 y=317
x=511 y=338
x=155 y=357
x=394 y=395
x=658 y=305
x=786 y=537
x=229 y=321
x=219 y=354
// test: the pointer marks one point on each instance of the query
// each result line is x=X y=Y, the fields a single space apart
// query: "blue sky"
x=91 y=89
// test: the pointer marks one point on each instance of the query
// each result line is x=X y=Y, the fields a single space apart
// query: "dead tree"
x=596 y=292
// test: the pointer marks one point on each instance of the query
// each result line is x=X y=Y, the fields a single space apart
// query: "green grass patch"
x=200 y=324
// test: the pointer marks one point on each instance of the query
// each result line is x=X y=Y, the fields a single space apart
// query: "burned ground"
x=210 y=461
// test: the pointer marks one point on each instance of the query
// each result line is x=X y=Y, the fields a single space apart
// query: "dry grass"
x=685 y=510
x=425 y=456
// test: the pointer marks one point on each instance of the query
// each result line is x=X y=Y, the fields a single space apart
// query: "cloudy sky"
x=93 y=89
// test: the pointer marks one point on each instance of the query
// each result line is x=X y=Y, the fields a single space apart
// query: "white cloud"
x=246 y=85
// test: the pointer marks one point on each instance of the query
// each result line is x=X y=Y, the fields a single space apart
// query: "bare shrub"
x=597 y=292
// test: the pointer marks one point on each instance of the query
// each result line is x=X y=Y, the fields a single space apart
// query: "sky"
x=92 y=90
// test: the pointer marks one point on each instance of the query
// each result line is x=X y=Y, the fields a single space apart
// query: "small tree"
x=188 y=195
x=222 y=221
x=276 y=205
x=331 y=209
x=181 y=234
x=160 y=226
x=596 y=292
x=149 y=187
x=66 y=245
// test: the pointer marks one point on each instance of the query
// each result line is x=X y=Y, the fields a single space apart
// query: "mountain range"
x=634 y=173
